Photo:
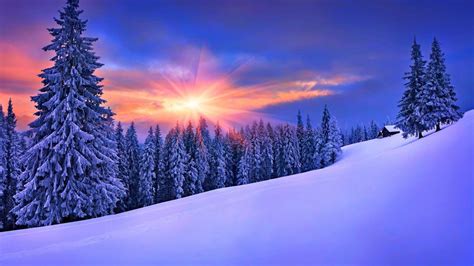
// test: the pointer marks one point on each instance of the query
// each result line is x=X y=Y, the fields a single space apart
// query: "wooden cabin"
x=388 y=131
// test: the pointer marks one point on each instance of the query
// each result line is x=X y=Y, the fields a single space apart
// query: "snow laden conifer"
x=308 y=150
x=439 y=94
x=410 y=116
x=373 y=130
x=159 y=166
x=175 y=164
x=256 y=166
x=218 y=173
x=288 y=151
x=132 y=150
x=266 y=150
x=147 y=172
x=191 y=171
x=65 y=167
x=2 y=167
x=331 y=140
x=244 y=169
x=202 y=159
x=300 y=134
x=122 y=170
x=11 y=167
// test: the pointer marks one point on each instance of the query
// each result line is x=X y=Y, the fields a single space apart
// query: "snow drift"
x=387 y=200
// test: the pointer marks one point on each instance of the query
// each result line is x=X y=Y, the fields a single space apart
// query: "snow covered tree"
x=331 y=140
x=191 y=171
x=244 y=169
x=122 y=170
x=410 y=119
x=132 y=150
x=439 y=94
x=175 y=163
x=202 y=160
x=147 y=172
x=218 y=173
x=236 y=147
x=11 y=167
x=373 y=130
x=256 y=162
x=3 y=213
x=159 y=167
x=69 y=171
x=288 y=160
x=308 y=150
x=266 y=151
x=300 y=134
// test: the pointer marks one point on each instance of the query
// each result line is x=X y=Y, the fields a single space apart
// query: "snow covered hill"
x=386 y=201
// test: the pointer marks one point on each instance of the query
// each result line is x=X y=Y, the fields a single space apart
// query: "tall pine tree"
x=147 y=172
x=159 y=166
x=65 y=167
x=439 y=94
x=410 y=116
x=132 y=150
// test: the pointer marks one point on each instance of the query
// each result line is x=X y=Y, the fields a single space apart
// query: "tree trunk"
x=438 y=127
x=420 y=135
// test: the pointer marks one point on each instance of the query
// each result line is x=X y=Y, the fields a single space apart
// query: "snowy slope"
x=386 y=201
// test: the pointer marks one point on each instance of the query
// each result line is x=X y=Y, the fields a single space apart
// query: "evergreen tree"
x=373 y=129
x=331 y=141
x=122 y=169
x=191 y=173
x=2 y=167
x=175 y=162
x=147 y=172
x=288 y=151
x=256 y=163
x=266 y=150
x=439 y=94
x=11 y=170
x=308 y=151
x=69 y=172
x=236 y=147
x=159 y=167
x=202 y=161
x=300 y=134
x=244 y=169
x=132 y=149
x=218 y=175
x=332 y=148
x=409 y=118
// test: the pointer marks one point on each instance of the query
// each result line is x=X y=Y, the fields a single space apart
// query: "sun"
x=192 y=104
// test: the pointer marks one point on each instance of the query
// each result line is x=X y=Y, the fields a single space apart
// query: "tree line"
x=76 y=164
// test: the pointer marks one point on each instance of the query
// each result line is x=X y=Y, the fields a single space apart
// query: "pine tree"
x=244 y=169
x=331 y=141
x=409 y=118
x=11 y=167
x=308 y=151
x=202 y=161
x=300 y=134
x=132 y=149
x=122 y=170
x=175 y=162
x=266 y=150
x=191 y=172
x=287 y=151
x=332 y=148
x=159 y=167
x=439 y=94
x=2 y=167
x=256 y=162
x=373 y=129
x=236 y=147
x=147 y=172
x=69 y=172
x=218 y=175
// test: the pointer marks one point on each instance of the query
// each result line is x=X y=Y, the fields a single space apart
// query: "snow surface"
x=386 y=201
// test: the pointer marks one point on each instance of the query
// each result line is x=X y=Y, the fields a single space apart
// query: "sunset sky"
x=235 y=61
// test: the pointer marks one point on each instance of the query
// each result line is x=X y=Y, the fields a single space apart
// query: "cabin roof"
x=392 y=128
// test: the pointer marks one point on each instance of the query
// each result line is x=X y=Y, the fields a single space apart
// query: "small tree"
x=147 y=172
